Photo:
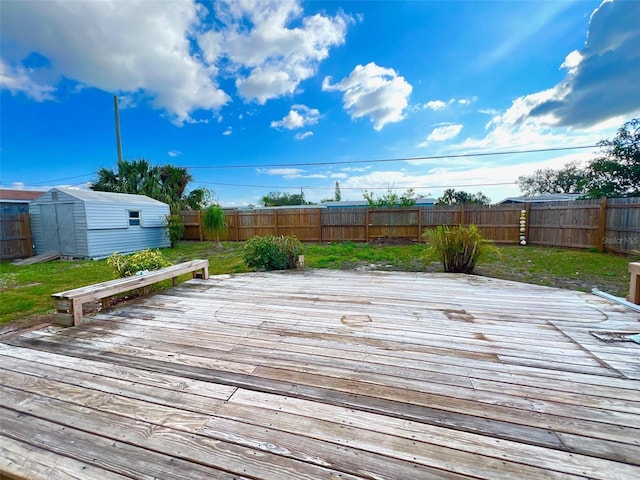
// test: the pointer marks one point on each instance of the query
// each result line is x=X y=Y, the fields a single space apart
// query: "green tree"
x=391 y=199
x=337 y=196
x=214 y=221
x=617 y=172
x=167 y=184
x=278 y=199
x=569 y=179
x=452 y=197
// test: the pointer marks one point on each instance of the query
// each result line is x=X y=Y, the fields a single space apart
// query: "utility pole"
x=119 y=142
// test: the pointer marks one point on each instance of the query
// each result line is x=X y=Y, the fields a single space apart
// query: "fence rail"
x=611 y=225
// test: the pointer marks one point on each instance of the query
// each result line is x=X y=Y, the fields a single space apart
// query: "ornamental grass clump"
x=272 y=252
x=458 y=248
x=126 y=266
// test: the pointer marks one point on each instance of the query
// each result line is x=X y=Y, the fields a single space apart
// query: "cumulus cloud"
x=375 y=92
x=170 y=54
x=436 y=105
x=298 y=117
x=270 y=57
x=303 y=135
x=228 y=131
x=127 y=46
x=601 y=79
x=17 y=80
x=444 y=132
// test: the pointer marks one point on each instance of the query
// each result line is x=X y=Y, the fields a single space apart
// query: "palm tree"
x=214 y=222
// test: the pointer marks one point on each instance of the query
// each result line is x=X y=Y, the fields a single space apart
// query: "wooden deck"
x=326 y=374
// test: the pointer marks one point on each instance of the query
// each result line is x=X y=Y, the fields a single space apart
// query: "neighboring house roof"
x=549 y=197
x=93 y=196
x=18 y=196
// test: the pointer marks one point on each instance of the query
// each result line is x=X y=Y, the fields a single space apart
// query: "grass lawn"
x=25 y=291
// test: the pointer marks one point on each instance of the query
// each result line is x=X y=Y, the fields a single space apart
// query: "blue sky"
x=260 y=96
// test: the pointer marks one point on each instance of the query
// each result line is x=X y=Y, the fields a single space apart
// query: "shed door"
x=58 y=231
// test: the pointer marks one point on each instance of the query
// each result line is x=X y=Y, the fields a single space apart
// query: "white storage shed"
x=87 y=224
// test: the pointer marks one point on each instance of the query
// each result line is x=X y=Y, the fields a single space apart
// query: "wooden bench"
x=634 y=284
x=69 y=304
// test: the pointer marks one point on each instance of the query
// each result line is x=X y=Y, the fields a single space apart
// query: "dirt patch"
x=392 y=241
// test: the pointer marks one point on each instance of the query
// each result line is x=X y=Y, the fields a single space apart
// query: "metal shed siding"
x=108 y=215
x=101 y=222
x=103 y=243
x=79 y=222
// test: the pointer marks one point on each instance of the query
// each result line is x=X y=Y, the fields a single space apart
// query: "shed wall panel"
x=107 y=215
x=103 y=243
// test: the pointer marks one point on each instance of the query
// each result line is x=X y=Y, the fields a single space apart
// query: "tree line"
x=614 y=173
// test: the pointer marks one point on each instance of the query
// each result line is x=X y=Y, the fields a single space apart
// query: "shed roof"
x=18 y=196
x=93 y=196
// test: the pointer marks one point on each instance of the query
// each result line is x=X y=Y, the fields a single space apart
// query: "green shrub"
x=175 y=223
x=214 y=221
x=272 y=252
x=458 y=248
x=126 y=266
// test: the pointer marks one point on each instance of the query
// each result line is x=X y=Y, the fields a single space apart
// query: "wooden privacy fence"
x=15 y=236
x=611 y=225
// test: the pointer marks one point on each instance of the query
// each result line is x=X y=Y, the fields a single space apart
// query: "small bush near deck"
x=126 y=266
x=458 y=248
x=272 y=252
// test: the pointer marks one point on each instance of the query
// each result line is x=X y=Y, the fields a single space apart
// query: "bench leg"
x=634 y=289
x=76 y=312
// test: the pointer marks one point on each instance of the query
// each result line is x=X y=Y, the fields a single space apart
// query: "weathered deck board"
x=322 y=374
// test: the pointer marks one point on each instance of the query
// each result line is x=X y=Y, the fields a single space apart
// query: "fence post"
x=200 y=227
x=602 y=226
x=366 y=226
x=527 y=225
x=236 y=219
x=419 y=224
x=276 y=221
x=462 y=222
x=27 y=232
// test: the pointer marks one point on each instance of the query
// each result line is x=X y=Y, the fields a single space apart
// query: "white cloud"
x=270 y=57
x=298 y=117
x=437 y=105
x=285 y=172
x=601 y=80
x=228 y=131
x=303 y=135
x=434 y=105
x=375 y=92
x=16 y=80
x=444 y=132
x=121 y=47
x=174 y=153
x=170 y=54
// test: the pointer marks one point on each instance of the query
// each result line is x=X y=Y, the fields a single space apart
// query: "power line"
x=290 y=187
x=350 y=162
x=386 y=160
